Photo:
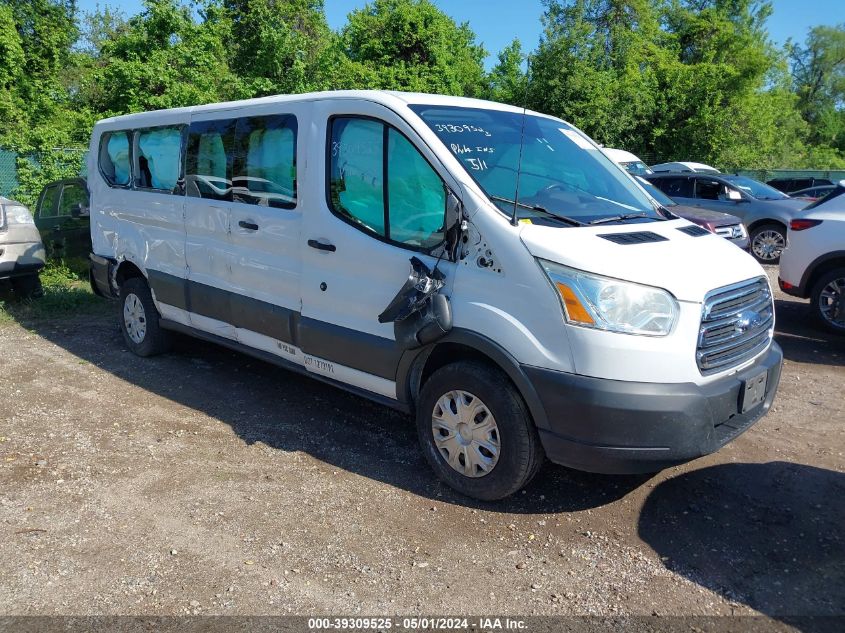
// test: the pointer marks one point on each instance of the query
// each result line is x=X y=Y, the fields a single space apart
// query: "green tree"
x=162 y=58
x=411 y=45
x=595 y=66
x=281 y=47
x=818 y=71
x=507 y=80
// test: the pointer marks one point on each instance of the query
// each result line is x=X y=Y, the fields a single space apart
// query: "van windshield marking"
x=561 y=170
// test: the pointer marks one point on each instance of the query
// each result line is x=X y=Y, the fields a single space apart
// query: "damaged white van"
x=488 y=270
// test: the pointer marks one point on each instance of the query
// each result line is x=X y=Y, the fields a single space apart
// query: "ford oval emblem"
x=746 y=320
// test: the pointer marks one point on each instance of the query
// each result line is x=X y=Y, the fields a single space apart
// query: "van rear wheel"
x=139 y=320
x=475 y=431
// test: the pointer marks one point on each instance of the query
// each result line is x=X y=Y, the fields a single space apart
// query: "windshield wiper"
x=537 y=207
x=619 y=218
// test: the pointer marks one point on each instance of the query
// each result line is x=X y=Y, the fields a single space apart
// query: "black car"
x=61 y=216
x=789 y=185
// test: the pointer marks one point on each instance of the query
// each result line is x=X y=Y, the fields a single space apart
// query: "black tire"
x=759 y=241
x=836 y=309
x=155 y=339
x=28 y=287
x=520 y=452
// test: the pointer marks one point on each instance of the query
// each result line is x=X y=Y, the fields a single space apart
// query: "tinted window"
x=208 y=161
x=416 y=196
x=675 y=187
x=72 y=195
x=372 y=165
x=357 y=172
x=265 y=161
x=47 y=208
x=709 y=189
x=159 y=157
x=114 y=158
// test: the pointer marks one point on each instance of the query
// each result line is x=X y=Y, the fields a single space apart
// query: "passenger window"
x=362 y=153
x=208 y=161
x=709 y=190
x=416 y=195
x=47 y=208
x=675 y=187
x=159 y=158
x=356 y=182
x=114 y=158
x=265 y=163
x=71 y=196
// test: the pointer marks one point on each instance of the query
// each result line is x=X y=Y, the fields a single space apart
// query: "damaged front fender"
x=419 y=312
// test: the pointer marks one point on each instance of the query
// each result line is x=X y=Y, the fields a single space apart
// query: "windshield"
x=756 y=189
x=836 y=192
x=562 y=171
x=637 y=168
x=655 y=193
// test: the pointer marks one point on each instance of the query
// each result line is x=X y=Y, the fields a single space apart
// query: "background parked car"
x=812 y=194
x=685 y=167
x=21 y=251
x=61 y=216
x=788 y=185
x=628 y=161
x=765 y=211
x=813 y=265
x=723 y=224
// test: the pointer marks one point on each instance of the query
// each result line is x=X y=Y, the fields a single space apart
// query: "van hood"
x=687 y=266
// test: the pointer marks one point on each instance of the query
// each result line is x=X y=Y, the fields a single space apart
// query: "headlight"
x=611 y=304
x=17 y=214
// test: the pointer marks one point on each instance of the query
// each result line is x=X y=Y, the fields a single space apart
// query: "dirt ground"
x=207 y=482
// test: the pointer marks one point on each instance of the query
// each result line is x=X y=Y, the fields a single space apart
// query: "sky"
x=497 y=22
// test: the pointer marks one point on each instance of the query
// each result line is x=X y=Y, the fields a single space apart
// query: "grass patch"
x=66 y=293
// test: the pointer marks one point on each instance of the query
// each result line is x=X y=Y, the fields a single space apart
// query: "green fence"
x=22 y=176
x=763 y=175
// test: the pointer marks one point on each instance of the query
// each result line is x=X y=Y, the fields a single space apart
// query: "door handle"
x=321 y=246
x=252 y=226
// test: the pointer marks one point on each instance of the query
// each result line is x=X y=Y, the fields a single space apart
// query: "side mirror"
x=76 y=211
x=734 y=195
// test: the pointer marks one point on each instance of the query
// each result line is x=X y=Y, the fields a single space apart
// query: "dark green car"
x=61 y=216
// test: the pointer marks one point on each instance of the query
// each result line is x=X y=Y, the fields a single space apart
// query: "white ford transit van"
x=372 y=240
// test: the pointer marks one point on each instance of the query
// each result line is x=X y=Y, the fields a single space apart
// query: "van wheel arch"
x=127 y=270
x=417 y=366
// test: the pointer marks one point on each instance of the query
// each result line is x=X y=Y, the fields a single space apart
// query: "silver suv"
x=21 y=252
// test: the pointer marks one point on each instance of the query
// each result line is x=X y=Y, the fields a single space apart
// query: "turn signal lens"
x=801 y=224
x=575 y=310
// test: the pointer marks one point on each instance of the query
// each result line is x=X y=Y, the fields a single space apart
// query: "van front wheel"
x=139 y=319
x=476 y=432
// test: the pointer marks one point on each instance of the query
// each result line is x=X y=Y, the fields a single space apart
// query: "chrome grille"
x=730 y=232
x=737 y=322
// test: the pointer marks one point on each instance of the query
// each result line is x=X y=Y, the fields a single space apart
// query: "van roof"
x=385 y=97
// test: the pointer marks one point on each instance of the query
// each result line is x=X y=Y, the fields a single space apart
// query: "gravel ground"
x=206 y=482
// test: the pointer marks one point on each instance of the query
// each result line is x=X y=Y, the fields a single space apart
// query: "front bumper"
x=617 y=427
x=21 y=258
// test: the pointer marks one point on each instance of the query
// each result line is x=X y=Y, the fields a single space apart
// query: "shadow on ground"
x=803 y=340
x=766 y=535
x=290 y=412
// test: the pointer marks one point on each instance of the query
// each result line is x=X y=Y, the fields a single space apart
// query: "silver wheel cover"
x=134 y=318
x=768 y=245
x=465 y=433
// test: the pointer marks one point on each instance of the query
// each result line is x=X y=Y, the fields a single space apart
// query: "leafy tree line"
x=675 y=79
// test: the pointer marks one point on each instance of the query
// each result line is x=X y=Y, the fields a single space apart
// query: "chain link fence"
x=22 y=176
